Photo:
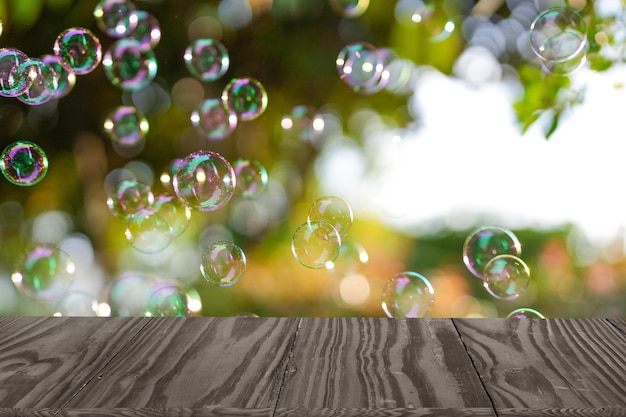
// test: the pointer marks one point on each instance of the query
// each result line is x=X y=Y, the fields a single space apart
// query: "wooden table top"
x=70 y=366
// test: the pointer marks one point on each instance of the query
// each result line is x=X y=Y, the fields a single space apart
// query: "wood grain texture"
x=380 y=364
x=620 y=324
x=388 y=412
x=138 y=412
x=554 y=364
x=44 y=361
x=564 y=412
x=196 y=362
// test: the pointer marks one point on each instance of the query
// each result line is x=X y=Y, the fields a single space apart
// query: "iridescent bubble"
x=360 y=65
x=407 y=294
x=127 y=197
x=168 y=173
x=77 y=304
x=485 y=243
x=525 y=313
x=223 y=263
x=173 y=212
x=251 y=176
x=207 y=59
x=126 y=125
x=205 y=181
x=558 y=34
x=304 y=122
x=13 y=81
x=44 y=272
x=214 y=120
x=350 y=8
x=315 y=244
x=350 y=261
x=506 y=277
x=246 y=97
x=334 y=211
x=144 y=28
x=112 y=17
x=129 y=293
x=80 y=48
x=43 y=83
x=65 y=74
x=148 y=232
x=168 y=301
x=130 y=65
x=24 y=163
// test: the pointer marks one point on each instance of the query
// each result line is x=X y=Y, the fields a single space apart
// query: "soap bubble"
x=127 y=197
x=112 y=17
x=168 y=301
x=66 y=78
x=223 y=263
x=129 y=293
x=214 y=120
x=558 y=34
x=407 y=294
x=126 y=125
x=80 y=48
x=350 y=261
x=24 y=163
x=77 y=304
x=43 y=83
x=207 y=59
x=506 y=277
x=13 y=81
x=251 y=176
x=44 y=272
x=304 y=122
x=173 y=212
x=334 y=211
x=144 y=28
x=486 y=242
x=525 y=313
x=205 y=181
x=147 y=231
x=433 y=18
x=350 y=8
x=246 y=97
x=360 y=65
x=315 y=244
x=130 y=65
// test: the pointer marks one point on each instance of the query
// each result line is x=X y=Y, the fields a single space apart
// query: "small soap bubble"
x=246 y=97
x=207 y=59
x=13 y=81
x=304 y=122
x=173 y=212
x=77 y=304
x=350 y=8
x=126 y=125
x=430 y=16
x=144 y=28
x=350 y=261
x=408 y=295
x=214 y=120
x=223 y=263
x=130 y=65
x=334 y=211
x=24 y=163
x=205 y=181
x=112 y=17
x=43 y=83
x=129 y=293
x=360 y=66
x=127 y=197
x=80 y=48
x=558 y=34
x=44 y=272
x=506 y=277
x=525 y=313
x=485 y=243
x=315 y=244
x=66 y=78
x=148 y=232
x=168 y=301
x=251 y=176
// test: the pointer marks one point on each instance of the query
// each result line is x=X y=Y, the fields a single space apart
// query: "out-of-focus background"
x=468 y=131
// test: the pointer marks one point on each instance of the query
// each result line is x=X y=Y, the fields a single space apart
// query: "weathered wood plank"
x=138 y=412
x=564 y=412
x=386 y=412
x=46 y=360
x=380 y=364
x=620 y=324
x=196 y=362
x=554 y=364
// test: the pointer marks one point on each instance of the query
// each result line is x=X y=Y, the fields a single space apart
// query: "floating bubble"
x=77 y=304
x=144 y=28
x=525 y=313
x=205 y=181
x=251 y=176
x=13 y=81
x=148 y=232
x=80 y=48
x=315 y=244
x=127 y=197
x=407 y=294
x=173 y=212
x=246 y=97
x=24 y=163
x=126 y=125
x=66 y=78
x=129 y=293
x=506 y=277
x=350 y=8
x=430 y=16
x=43 y=83
x=130 y=65
x=304 y=122
x=485 y=243
x=350 y=261
x=334 y=211
x=214 y=120
x=44 y=272
x=360 y=66
x=112 y=17
x=558 y=34
x=223 y=264
x=207 y=59
x=168 y=301
x=168 y=173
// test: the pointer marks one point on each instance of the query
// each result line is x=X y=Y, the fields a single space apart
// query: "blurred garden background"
x=469 y=130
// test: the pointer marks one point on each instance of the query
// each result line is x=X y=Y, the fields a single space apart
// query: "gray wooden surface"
x=326 y=367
